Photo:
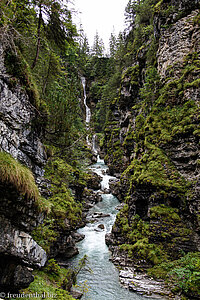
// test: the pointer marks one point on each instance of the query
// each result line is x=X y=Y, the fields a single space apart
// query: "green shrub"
x=183 y=274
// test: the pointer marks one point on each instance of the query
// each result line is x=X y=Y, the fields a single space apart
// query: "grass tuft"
x=19 y=176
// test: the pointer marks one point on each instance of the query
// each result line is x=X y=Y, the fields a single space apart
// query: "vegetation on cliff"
x=41 y=50
x=145 y=108
x=20 y=177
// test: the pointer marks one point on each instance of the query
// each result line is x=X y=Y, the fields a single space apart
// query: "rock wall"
x=152 y=143
x=19 y=253
x=176 y=42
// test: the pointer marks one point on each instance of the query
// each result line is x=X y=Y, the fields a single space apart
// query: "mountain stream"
x=103 y=282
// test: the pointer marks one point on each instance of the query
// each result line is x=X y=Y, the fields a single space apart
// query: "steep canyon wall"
x=152 y=142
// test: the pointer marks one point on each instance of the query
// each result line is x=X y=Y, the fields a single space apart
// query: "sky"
x=101 y=16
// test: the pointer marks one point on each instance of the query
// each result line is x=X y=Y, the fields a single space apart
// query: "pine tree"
x=98 y=46
x=112 y=44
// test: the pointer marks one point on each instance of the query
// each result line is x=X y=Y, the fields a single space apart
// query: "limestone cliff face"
x=18 y=251
x=156 y=144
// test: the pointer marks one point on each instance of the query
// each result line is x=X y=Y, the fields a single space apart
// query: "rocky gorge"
x=138 y=109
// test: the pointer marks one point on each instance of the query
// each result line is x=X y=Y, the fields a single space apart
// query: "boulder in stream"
x=101 y=226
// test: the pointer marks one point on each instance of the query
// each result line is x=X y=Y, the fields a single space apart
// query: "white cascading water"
x=94 y=148
x=103 y=282
x=87 y=109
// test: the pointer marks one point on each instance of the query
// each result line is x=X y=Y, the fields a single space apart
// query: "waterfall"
x=87 y=119
x=87 y=109
x=94 y=148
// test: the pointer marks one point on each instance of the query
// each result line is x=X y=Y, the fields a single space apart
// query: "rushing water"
x=103 y=282
x=87 y=109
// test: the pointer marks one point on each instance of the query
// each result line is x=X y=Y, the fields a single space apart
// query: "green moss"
x=197 y=20
x=155 y=240
x=62 y=175
x=157 y=7
x=164 y=212
x=193 y=84
x=155 y=168
x=131 y=76
x=145 y=250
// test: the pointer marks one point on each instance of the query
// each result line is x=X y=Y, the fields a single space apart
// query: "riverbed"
x=102 y=283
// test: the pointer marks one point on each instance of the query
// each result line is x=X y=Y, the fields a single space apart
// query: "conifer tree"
x=112 y=44
x=98 y=46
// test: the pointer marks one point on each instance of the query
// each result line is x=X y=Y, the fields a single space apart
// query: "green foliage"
x=53 y=268
x=183 y=273
x=19 y=68
x=18 y=176
x=45 y=234
x=98 y=46
x=64 y=205
x=197 y=20
x=137 y=236
x=133 y=74
x=43 y=57
x=64 y=208
x=50 y=282
x=155 y=240
x=155 y=168
x=149 y=92
x=144 y=250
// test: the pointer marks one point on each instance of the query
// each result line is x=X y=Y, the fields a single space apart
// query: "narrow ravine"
x=103 y=282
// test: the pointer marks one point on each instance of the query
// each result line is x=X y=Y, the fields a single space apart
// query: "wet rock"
x=98 y=215
x=76 y=294
x=120 y=206
x=22 y=277
x=106 y=191
x=87 y=206
x=94 y=181
x=64 y=247
x=98 y=197
x=94 y=158
x=90 y=197
x=77 y=237
x=101 y=226
x=109 y=239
